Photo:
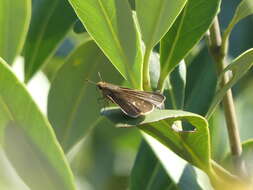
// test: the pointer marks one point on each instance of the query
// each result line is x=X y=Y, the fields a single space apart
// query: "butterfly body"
x=133 y=103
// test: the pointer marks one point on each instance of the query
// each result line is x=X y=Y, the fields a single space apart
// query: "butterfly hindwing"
x=131 y=105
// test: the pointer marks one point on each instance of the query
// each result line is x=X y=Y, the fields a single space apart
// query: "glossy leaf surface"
x=111 y=24
x=29 y=142
x=14 y=21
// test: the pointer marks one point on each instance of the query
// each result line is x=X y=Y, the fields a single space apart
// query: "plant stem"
x=219 y=54
x=161 y=82
x=146 y=77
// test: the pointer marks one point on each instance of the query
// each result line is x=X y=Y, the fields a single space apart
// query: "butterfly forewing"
x=132 y=102
x=130 y=105
x=152 y=97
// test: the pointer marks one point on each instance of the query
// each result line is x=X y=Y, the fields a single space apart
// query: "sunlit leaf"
x=156 y=17
x=239 y=68
x=148 y=173
x=51 y=21
x=161 y=124
x=187 y=30
x=73 y=106
x=28 y=139
x=14 y=21
x=111 y=24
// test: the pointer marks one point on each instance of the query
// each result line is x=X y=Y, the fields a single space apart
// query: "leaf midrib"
x=117 y=42
x=155 y=24
x=43 y=30
x=168 y=60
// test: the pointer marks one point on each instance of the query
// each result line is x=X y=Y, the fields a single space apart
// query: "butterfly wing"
x=131 y=105
x=155 y=98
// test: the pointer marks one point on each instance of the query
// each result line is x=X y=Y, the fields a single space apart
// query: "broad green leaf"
x=244 y=9
x=161 y=124
x=201 y=84
x=14 y=21
x=73 y=105
x=148 y=173
x=175 y=90
x=111 y=24
x=51 y=21
x=156 y=17
x=239 y=68
x=187 y=30
x=28 y=139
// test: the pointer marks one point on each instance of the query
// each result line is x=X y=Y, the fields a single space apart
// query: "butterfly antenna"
x=89 y=81
x=99 y=75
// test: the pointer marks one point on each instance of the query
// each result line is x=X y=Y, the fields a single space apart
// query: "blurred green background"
x=104 y=159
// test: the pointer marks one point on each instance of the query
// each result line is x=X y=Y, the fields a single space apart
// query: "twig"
x=219 y=54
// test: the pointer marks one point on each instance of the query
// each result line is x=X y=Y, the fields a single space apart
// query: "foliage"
x=79 y=143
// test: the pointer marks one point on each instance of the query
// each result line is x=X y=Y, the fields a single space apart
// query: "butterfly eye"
x=100 y=87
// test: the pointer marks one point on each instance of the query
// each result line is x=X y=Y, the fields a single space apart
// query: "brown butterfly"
x=133 y=103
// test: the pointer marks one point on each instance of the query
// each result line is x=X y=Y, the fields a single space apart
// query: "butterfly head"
x=101 y=85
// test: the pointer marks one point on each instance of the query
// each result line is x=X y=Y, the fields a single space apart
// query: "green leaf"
x=201 y=84
x=51 y=21
x=14 y=21
x=244 y=9
x=187 y=30
x=239 y=68
x=175 y=85
x=111 y=24
x=73 y=106
x=175 y=91
x=28 y=139
x=160 y=124
x=156 y=17
x=148 y=173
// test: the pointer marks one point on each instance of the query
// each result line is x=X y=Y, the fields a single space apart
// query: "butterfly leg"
x=103 y=102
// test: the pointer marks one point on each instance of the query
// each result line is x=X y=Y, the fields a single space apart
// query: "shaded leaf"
x=73 y=105
x=14 y=21
x=175 y=84
x=160 y=123
x=187 y=30
x=239 y=68
x=156 y=17
x=111 y=24
x=78 y=27
x=148 y=173
x=201 y=84
x=29 y=142
x=244 y=9
x=188 y=179
x=51 y=21
x=175 y=90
